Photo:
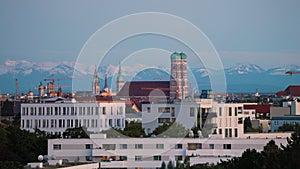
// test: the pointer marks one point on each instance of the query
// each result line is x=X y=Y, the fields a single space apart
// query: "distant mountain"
x=242 y=69
x=239 y=78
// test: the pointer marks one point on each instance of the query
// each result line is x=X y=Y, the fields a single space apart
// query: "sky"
x=266 y=33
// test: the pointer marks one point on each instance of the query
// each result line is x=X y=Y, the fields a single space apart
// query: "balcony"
x=102 y=152
x=113 y=164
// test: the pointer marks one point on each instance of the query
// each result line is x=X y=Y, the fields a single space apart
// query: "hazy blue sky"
x=260 y=32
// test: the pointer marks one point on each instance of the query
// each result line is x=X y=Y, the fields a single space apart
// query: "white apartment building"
x=230 y=119
x=156 y=114
x=151 y=152
x=226 y=119
x=57 y=116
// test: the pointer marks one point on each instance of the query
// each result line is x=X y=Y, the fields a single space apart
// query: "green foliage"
x=17 y=147
x=171 y=130
x=288 y=127
x=132 y=129
x=247 y=124
x=163 y=165
x=170 y=165
x=77 y=132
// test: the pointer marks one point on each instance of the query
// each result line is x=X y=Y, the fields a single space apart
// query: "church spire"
x=105 y=83
x=96 y=84
x=120 y=81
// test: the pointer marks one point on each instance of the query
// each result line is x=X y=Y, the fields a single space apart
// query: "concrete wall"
x=279 y=111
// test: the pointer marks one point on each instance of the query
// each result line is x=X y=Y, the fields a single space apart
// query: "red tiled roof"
x=292 y=90
x=281 y=93
x=145 y=89
x=259 y=108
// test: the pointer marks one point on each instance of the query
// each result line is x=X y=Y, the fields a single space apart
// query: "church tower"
x=178 y=79
x=96 y=84
x=120 y=81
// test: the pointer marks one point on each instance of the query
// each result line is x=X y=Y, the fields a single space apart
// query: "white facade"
x=154 y=115
x=295 y=108
x=230 y=119
x=151 y=152
x=57 y=117
x=226 y=119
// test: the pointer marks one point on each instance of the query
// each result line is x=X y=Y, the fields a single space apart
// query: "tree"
x=291 y=151
x=247 y=124
x=288 y=127
x=163 y=165
x=132 y=129
x=271 y=155
x=170 y=165
x=77 y=132
x=171 y=130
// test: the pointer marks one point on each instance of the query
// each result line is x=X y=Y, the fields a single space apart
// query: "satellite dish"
x=40 y=158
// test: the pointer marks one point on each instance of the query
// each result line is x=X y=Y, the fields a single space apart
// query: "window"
x=157 y=158
x=109 y=146
x=148 y=109
x=123 y=158
x=220 y=131
x=230 y=111
x=194 y=146
x=178 y=146
x=72 y=111
x=220 y=111
x=163 y=120
x=104 y=110
x=230 y=132
x=227 y=146
x=56 y=146
x=173 y=111
x=178 y=158
x=89 y=146
x=88 y=158
x=211 y=146
x=192 y=112
x=123 y=146
x=163 y=110
x=240 y=120
x=226 y=132
x=138 y=146
x=110 y=122
x=96 y=110
x=235 y=132
x=138 y=158
x=235 y=111
x=159 y=146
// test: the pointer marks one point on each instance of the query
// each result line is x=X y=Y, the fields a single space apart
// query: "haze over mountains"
x=241 y=78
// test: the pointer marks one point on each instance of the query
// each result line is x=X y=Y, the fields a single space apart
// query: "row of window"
x=228 y=132
x=190 y=146
x=70 y=123
x=171 y=110
x=237 y=110
x=81 y=111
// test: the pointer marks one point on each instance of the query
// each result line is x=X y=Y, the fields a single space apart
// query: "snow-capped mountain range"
x=240 y=77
